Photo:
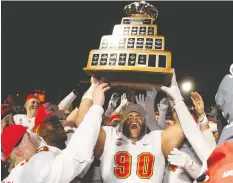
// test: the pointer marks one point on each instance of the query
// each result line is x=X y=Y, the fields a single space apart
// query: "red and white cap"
x=10 y=137
x=113 y=117
x=44 y=112
x=30 y=96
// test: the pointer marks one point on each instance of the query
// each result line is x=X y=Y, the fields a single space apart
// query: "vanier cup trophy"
x=134 y=56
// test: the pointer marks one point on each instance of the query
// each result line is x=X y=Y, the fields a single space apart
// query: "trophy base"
x=132 y=79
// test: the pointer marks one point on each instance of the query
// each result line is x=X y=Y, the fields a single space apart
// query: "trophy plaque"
x=134 y=56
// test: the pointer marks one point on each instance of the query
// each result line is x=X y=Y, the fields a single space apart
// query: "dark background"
x=45 y=45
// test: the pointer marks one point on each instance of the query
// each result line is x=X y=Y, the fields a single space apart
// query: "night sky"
x=45 y=45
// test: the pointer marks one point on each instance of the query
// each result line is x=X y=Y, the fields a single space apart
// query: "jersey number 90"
x=123 y=162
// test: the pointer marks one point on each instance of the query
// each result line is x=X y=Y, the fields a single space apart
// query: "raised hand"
x=113 y=101
x=180 y=159
x=151 y=94
x=198 y=103
x=173 y=91
x=163 y=105
x=124 y=100
x=140 y=99
x=98 y=93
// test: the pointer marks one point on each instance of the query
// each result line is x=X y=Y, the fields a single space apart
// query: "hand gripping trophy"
x=133 y=56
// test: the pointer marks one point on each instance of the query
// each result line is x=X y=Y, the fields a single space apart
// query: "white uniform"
x=46 y=167
x=13 y=177
x=175 y=174
x=22 y=119
x=125 y=162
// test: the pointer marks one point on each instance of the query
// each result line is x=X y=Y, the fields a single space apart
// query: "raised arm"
x=172 y=137
x=202 y=119
x=189 y=126
x=150 y=110
x=67 y=101
x=86 y=103
x=79 y=151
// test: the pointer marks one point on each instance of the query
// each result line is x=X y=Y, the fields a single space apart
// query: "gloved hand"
x=183 y=160
x=113 y=101
x=140 y=99
x=123 y=103
x=163 y=105
x=112 y=104
x=171 y=102
x=124 y=100
x=180 y=159
x=173 y=91
x=151 y=94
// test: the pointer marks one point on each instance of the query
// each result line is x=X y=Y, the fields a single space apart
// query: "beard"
x=126 y=130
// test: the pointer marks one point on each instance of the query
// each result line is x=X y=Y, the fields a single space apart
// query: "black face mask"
x=126 y=130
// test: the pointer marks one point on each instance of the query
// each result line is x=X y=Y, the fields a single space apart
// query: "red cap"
x=46 y=110
x=220 y=164
x=30 y=96
x=113 y=117
x=10 y=137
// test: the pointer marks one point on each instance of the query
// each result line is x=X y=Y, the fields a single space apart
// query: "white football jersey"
x=15 y=173
x=123 y=161
x=22 y=119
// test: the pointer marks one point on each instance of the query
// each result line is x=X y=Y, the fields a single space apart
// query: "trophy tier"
x=142 y=69
x=134 y=56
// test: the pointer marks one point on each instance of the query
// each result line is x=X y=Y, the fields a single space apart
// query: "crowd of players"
x=126 y=143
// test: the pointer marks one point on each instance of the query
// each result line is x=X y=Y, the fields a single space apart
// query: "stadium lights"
x=187 y=86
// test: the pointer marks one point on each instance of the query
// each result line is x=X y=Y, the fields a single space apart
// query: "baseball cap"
x=44 y=112
x=220 y=164
x=10 y=137
x=113 y=117
x=134 y=108
x=30 y=96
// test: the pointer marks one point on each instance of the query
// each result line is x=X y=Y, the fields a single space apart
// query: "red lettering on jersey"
x=123 y=161
x=145 y=165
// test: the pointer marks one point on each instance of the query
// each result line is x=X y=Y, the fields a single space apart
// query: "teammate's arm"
x=189 y=126
x=79 y=151
x=85 y=105
x=99 y=147
x=150 y=114
x=172 y=137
